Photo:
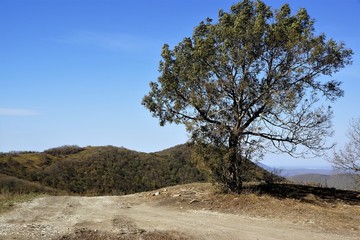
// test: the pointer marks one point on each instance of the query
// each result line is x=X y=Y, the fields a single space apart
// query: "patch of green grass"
x=9 y=200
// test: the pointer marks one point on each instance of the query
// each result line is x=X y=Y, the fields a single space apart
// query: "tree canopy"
x=250 y=83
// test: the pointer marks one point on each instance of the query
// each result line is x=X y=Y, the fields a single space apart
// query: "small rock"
x=176 y=195
x=310 y=198
x=194 y=201
x=156 y=194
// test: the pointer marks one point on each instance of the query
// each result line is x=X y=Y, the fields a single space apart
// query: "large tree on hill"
x=249 y=83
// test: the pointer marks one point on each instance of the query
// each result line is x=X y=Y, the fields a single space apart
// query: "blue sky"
x=75 y=71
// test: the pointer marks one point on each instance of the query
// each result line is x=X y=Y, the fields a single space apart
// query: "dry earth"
x=192 y=211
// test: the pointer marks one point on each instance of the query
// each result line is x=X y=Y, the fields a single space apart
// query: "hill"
x=254 y=171
x=13 y=184
x=106 y=170
x=290 y=172
x=97 y=170
x=338 y=181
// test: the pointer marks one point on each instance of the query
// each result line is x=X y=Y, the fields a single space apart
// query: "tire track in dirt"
x=124 y=218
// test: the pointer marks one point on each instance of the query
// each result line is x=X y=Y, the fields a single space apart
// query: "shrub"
x=64 y=150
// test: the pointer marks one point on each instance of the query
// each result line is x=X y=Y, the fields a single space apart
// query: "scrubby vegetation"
x=64 y=150
x=8 y=200
x=103 y=170
x=95 y=170
x=14 y=185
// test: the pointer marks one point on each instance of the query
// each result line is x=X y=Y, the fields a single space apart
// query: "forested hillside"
x=95 y=170
x=104 y=170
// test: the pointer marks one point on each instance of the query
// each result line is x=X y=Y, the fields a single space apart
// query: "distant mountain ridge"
x=289 y=172
x=321 y=177
x=338 y=181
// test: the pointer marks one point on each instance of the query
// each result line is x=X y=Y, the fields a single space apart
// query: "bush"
x=64 y=150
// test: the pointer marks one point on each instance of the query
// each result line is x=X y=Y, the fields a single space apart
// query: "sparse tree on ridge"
x=348 y=158
x=248 y=84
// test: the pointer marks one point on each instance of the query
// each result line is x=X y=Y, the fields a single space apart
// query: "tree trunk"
x=234 y=179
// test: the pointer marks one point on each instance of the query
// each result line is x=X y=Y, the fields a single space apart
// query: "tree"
x=248 y=84
x=348 y=159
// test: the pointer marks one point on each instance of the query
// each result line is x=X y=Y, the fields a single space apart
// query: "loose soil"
x=193 y=211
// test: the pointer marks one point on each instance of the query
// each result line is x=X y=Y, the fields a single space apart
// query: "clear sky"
x=75 y=71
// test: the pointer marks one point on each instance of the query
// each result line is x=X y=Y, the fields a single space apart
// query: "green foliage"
x=64 y=150
x=249 y=84
x=96 y=171
x=14 y=185
x=214 y=161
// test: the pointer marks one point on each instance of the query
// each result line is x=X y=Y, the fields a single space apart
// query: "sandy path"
x=53 y=217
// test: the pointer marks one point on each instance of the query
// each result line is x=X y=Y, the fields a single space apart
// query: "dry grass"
x=325 y=209
x=9 y=200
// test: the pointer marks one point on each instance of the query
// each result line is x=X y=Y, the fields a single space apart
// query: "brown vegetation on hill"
x=106 y=170
x=97 y=170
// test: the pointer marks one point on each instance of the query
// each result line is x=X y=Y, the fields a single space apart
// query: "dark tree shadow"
x=309 y=193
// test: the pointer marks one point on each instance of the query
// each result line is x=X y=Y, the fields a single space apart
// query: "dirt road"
x=127 y=218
